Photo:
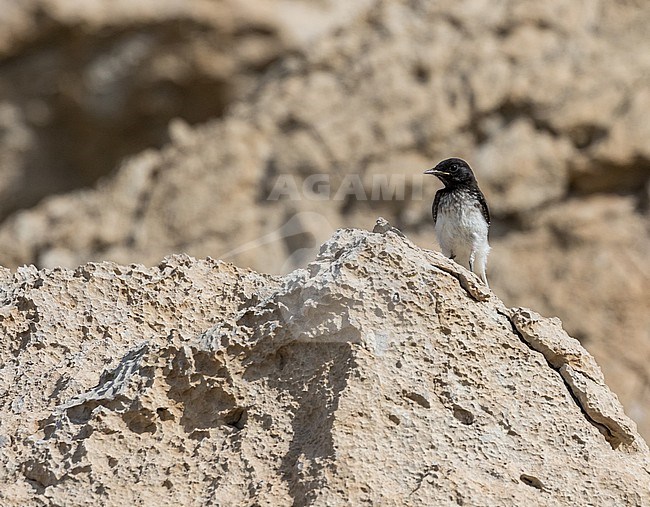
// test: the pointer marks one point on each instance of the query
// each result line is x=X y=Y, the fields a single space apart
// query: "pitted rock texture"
x=373 y=376
x=548 y=101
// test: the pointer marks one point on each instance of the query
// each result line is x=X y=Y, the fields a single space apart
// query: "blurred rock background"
x=250 y=130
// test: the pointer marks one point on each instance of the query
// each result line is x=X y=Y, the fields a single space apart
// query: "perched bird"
x=461 y=216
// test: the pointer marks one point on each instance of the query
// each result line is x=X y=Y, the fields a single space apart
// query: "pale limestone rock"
x=586 y=259
x=580 y=371
x=370 y=377
x=548 y=101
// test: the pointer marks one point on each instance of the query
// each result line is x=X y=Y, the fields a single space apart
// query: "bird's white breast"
x=460 y=228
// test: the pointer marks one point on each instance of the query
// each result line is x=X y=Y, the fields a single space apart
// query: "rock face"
x=381 y=374
x=326 y=114
x=84 y=84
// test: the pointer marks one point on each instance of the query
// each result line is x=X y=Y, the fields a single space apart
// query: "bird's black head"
x=453 y=172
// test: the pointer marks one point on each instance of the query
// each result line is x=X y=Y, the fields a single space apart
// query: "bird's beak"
x=433 y=171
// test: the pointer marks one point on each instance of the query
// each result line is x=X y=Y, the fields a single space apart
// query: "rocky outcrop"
x=84 y=84
x=548 y=101
x=382 y=374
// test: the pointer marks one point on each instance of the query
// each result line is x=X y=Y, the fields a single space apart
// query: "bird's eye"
x=454 y=168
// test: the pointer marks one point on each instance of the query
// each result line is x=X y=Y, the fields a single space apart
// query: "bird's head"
x=453 y=172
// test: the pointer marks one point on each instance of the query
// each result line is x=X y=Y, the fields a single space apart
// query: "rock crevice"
x=580 y=373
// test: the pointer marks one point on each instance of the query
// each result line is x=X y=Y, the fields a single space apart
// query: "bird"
x=461 y=216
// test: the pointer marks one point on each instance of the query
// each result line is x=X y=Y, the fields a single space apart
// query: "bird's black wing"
x=482 y=204
x=434 y=208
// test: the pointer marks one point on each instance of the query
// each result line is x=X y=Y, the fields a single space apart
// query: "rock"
x=321 y=114
x=195 y=382
x=340 y=118
x=588 y=258
x=382 y=226
x=579 y=371
x=91 y=83
x=524 y=180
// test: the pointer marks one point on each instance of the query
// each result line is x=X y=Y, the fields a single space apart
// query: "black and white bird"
x=461 y=216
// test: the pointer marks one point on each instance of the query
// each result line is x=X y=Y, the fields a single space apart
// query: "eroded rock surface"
x=375 y=375
x=548 y=101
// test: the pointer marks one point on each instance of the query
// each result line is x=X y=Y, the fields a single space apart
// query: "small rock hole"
x=421 y=73
x=418 y=398
x=164 y=414
x=237 y=418
x=531 y=481
x=394 y=419
x=464 y=416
